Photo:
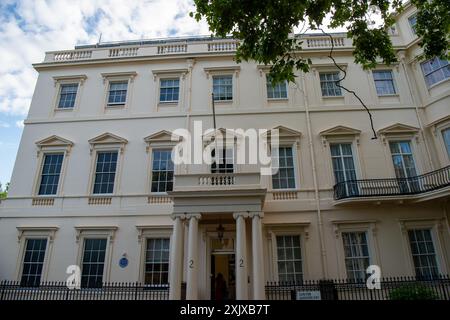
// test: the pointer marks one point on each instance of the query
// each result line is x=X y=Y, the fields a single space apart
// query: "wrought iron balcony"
x=420 y=184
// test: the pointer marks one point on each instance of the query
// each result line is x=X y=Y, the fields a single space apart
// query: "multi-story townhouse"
x=95 y=185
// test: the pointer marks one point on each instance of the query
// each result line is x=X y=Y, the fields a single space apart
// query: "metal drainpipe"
x=416 y=107
x=323 y=255
x=190 y=64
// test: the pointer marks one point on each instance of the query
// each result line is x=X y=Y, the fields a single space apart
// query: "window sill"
x=63 y=109
x=168 y=103
x=277 y=99
x=115 y=106
x=394 y=95
x=332 y=97
x=437 y=84
x=223 y=101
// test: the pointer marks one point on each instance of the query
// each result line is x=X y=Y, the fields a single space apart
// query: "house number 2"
x=241 y=263
x=191 y=264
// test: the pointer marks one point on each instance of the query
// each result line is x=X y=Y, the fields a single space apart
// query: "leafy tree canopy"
x=263 y=27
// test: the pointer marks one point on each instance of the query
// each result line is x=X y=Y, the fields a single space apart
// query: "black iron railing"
x=394 y=288
x=13 y=290
x=430 y=181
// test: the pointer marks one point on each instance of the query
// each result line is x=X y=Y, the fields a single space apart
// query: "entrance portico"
x=242 y=209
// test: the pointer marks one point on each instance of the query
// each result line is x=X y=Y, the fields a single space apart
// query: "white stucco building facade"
x=93 y=182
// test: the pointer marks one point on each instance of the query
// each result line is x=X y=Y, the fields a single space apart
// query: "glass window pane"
x=289 y=258
x=105 y=172
x=423 y=253
x=284 y=178
x=157 y=261
x=51 y=170
x=162 y=170
x=33 y=262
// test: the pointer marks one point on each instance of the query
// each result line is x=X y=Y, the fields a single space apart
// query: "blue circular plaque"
x=123 y=262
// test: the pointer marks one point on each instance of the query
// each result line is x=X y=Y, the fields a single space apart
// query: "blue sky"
x=28 y=28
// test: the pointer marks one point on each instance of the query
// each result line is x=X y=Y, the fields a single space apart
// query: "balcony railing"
x=175 y=46
x=215 y=181
x=427 y=182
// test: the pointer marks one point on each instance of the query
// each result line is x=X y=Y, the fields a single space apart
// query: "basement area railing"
x=392 y=288
x=427 y=182
x=14 y=290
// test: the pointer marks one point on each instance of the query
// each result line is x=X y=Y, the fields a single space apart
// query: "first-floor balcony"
x=429 y=185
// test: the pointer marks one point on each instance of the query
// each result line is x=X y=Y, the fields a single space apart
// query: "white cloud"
x=4 y=124
x=38 y=26
x=19 y=124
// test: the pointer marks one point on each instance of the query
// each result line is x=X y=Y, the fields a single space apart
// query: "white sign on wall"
x=308 y=295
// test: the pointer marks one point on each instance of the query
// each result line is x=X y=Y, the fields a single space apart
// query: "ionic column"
x=258 y=259
x=176 y=258
x=192 y=283
x=241 y=256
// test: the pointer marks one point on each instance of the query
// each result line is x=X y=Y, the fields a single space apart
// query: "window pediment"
x=224 y=132
x=119 y=75
x=162 y=137
x=169 y=72
x=338 y=132
x=222 y=70
x=75 y=78
x=398 y=128
x=285 y=134
x=54 y=142
x=107 y=139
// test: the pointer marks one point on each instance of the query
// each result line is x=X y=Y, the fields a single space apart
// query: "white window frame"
x=430 y=230
x=61 y=80
x=294 y=147
x=224 y=71
x=116 y=178
x=338 y=72
x=356 y=257
x=387 y=137
x=394 y=84
x=438 y=228
x=290 y=261
x=42 y=162
x=411 y=27
x=163 y=74
x=51 y=145
x=35 y=232
x=429 y=87
x=109 y=78
x=393 y=140
x=295 y=229
x=351 y=138
x=446 y=146
x=151 y=169
x=267 y=91
x=152 y=232
x=96 y=232
x=179 y=91
x=367 y=226
x=155 y=141
x=112 y=144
